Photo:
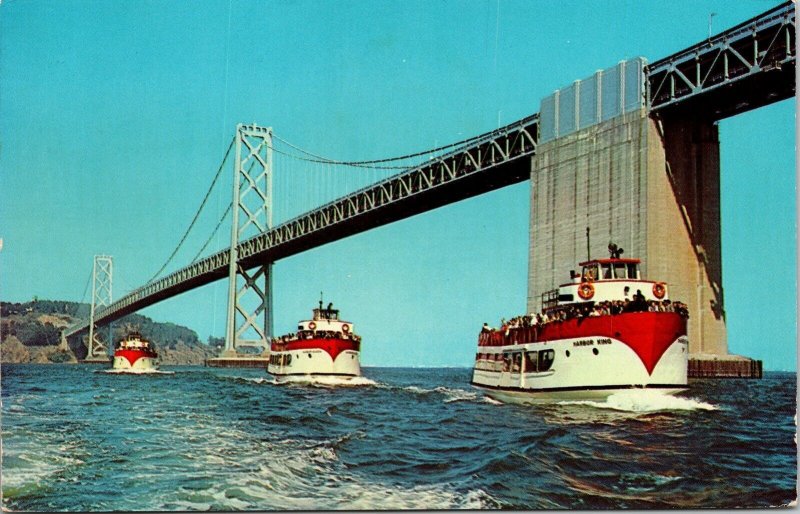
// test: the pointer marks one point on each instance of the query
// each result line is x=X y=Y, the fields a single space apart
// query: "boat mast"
x=588 y=255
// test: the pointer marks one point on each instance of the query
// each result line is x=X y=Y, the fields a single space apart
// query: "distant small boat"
x=324 y=346
x=135 y=354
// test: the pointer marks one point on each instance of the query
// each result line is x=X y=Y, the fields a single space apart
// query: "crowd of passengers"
x=588 y=309
x=316 y=334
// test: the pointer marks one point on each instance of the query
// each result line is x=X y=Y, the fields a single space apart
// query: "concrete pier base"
x=96 y=360
x=238 y=362
x=723 y=366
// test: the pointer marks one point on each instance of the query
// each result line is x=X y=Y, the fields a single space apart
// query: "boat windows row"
x=282 y=359
x=516 y=362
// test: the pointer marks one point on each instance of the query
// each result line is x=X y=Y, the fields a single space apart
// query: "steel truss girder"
x=483 y=155
x=102 y=285
x=760 y=45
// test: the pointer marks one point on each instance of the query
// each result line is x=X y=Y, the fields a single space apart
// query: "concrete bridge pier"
x=651 y=186
x=684 y=224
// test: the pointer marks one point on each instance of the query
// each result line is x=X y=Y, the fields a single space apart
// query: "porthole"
x=309 y=355
x=567 y=353
x=595 y=351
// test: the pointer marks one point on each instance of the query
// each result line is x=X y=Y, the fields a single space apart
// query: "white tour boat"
x=135 y=354
x=324 y=346
x=605 y=331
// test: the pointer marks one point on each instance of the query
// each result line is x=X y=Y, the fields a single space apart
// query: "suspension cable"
x=83 y=296
x=323 y=160
x=225 y=215
x=378 y=161
x=197 y=214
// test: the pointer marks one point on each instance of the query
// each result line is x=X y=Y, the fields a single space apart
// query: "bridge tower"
x=102 y=282
x=249 y=321
x=648 y=183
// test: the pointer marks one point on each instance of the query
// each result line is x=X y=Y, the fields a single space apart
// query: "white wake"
x=135 y=372
x=645 y=401
x=325 y=381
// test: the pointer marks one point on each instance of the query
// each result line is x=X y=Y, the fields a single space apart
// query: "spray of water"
x=645 y=401
x=135 y=372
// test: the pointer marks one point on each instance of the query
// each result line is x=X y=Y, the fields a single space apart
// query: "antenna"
x=320 y=300
x=588 y=255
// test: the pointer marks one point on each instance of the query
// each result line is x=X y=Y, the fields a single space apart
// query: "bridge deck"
x=491 y=161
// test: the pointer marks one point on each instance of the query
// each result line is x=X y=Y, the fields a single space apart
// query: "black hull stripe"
x=579 y=388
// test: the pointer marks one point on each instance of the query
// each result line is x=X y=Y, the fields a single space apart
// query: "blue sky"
x=114 y=117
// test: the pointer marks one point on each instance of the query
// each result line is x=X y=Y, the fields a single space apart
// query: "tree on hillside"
x=38 y=334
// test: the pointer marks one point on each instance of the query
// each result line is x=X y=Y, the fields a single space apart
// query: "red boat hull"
x=332 y=347
x=134 y=355
x=648 y=334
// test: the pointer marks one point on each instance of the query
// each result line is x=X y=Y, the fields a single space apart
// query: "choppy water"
x=214 y=439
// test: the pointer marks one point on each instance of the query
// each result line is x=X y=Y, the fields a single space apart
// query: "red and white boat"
x=604 y=332
x=135 y=354
x=324 y=346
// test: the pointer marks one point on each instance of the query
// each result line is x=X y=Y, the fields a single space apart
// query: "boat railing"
x=525 y=329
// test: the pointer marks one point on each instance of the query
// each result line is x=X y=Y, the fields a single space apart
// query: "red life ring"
x=312 y=325
x=659 y=290
x=586 y=290
x=345 y=328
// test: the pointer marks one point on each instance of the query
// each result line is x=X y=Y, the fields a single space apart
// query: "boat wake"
x=453 y=395
x=305 y=474
x=324 y=381
x=134 y=372
x=645 y=401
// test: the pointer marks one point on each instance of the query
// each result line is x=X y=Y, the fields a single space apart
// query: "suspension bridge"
x=671 y=103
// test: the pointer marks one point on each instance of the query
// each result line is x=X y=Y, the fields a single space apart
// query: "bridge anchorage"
x=102 y=282
x=249 y=320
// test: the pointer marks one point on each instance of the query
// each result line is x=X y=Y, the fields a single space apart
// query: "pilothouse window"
x=619 y=270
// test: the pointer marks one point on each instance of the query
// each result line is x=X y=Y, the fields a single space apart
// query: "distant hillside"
x=31 y=332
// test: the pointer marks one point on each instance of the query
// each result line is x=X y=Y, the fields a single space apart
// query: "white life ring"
x=345 y=328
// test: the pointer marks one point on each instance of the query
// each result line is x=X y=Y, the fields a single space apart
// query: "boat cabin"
x=610 y=269
x=330 y=313
x=132 y=341
x=606 y=280
x=325 y=322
